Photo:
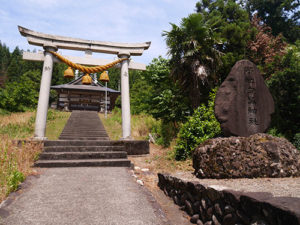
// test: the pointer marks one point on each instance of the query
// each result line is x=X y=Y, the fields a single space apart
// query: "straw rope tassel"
x=85 y=69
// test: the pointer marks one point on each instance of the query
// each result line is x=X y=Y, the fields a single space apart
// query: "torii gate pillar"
x=42 y=109
x=125 y=98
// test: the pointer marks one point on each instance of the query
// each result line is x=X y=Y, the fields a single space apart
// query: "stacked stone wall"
x=215 y=206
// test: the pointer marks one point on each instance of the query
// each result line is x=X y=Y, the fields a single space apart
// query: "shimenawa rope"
x=86 y=69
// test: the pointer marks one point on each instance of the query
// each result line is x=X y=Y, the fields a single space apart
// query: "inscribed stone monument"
x=243 y=103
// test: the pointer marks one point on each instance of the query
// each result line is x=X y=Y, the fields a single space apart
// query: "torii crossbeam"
x=55 y=42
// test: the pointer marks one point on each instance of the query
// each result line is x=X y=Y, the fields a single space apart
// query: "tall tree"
x=155 y=93
x=4 y=59
x=22 y=94
x=206 y=45
x=283 y=16
x=266 y=50
x=14 y=70
x=194 y=58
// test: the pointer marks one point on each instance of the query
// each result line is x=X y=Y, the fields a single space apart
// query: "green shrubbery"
x=164 y=132
x=201 y=126
x=156 y=94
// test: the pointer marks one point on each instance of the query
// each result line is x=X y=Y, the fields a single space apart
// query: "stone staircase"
x=83 y=142
x=84 y=125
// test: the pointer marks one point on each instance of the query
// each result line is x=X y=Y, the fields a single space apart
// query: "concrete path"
x=86 y=195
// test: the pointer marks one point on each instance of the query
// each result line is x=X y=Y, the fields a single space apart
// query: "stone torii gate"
x=54 y=42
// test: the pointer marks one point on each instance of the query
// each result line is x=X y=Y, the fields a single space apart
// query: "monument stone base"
x=259 y=155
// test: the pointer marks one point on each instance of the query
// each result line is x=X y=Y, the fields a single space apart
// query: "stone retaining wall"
x=136 y=147
x=215 y=206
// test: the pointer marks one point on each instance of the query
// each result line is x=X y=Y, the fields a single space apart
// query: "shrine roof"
x=77 y=85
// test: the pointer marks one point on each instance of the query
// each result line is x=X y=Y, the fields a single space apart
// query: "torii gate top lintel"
x=61 y=42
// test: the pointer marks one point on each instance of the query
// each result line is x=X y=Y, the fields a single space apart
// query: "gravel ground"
x=279 y=187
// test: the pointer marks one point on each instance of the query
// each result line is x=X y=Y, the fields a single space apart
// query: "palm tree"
x=194 y=56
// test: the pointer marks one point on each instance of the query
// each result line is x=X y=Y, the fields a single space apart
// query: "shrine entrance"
x=51 y=43
x=77 y=96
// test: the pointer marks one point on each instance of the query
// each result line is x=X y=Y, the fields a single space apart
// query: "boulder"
x=259 y=155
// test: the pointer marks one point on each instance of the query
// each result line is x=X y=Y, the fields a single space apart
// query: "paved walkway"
x=86 y=195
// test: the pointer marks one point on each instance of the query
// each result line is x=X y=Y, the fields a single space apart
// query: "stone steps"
x=83 y=142
x=84 y=149
x=84 y=163
x=86 y=132
x=84 y=125
x=82 y=135
x=75 y=137
x=85 y=138
x=82 y=155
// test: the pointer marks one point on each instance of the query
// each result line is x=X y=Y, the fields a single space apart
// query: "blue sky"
x=103 y=20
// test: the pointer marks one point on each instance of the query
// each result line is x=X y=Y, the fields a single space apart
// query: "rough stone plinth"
x=243 y=103
x=260 y=155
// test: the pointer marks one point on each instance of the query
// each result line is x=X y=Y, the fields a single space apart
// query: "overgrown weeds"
x=17 y=125
x=15 y=163
x=16 y=160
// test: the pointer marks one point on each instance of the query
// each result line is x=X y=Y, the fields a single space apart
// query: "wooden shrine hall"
x=77 y=96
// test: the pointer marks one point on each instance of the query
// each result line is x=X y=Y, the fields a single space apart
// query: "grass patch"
x=56 y=123
x=21 y=125
x=112 y=124
x=141 y=125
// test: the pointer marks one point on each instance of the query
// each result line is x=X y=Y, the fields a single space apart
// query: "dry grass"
x=141 y=126
x=113 y=125
x=21 y=118
x=15 y=163
x=17 y=125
